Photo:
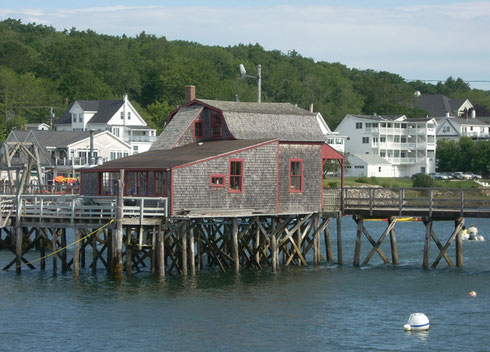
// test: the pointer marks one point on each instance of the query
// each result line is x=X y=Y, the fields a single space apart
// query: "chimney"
x=125 y=98
x=190 y=93
x=311 y=107
x=473 y=114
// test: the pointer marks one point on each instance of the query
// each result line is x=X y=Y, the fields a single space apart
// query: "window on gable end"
x=296 y=175
x=129 y=115
x=235 y=184
x=217 y=180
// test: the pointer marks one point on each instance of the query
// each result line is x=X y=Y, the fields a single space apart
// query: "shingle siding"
x=311 y=197
x=191 y=187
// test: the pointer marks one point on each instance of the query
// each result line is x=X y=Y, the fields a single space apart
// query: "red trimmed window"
x=236 y=176
x=108 y=183
x=137 y=183
x=216 y=127
x=161 y=183
x=217 y=180
x=198 y=129
x=295 y=175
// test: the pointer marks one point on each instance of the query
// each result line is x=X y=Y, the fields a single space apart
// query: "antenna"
x=243 y=74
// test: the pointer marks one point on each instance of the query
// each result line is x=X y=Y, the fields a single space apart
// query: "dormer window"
x=80 y=117
x=74 y=117
x=216 y=126
x=198 y=129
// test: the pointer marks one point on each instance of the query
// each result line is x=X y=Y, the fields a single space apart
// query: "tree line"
x=42 y=70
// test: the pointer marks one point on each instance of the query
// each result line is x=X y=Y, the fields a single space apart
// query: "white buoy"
x=417 y=322
x=472 y=294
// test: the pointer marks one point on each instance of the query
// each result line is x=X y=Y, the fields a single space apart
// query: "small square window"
x=358 y=125
x=217 y=180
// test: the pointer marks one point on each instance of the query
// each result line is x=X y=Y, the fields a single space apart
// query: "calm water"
x=327 y=308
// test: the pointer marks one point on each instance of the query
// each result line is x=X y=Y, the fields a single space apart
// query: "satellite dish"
x=242 y=70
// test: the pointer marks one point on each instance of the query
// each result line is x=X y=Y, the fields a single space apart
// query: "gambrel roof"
x=246 y=120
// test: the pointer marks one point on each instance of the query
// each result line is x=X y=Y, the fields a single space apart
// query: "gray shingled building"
x=219 y=155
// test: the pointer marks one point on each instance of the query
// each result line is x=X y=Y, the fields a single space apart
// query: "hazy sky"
x=427 y=40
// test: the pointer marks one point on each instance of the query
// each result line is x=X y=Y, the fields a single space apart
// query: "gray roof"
x=371 y=159
x=176 y=127
x=485 y=119
x=269 y=120
x=469 y=121
x=166 y=159
x=105 y=110
x=51 y=139
x=438 y=105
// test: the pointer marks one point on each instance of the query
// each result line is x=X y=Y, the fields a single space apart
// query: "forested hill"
x=41 y=68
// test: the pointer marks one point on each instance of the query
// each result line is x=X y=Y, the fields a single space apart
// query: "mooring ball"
x=407 y=327
x=418 y=321
x=472 y=294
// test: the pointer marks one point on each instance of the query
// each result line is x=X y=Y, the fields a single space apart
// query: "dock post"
x=129 y=258
x=394 y=248
x=428 y=231
x=236 y=256
x=117 y=261
x=54 y=246
x=328 y=241
x=315 y=239
x=18 y=236
x=76 y=254
x=94 y=253
x=42 y=249
x=459 y=244
x=192 y=259
x=357 y=250
x=64 y=263
x=339 y=238
x=161 y=252
x=183 y=260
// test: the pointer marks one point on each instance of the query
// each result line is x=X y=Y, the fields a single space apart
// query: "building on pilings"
x=219 y=156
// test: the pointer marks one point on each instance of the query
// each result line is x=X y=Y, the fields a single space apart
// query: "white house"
x=453 y=128
x=68 y=151
x=117 y=116
x=409 y=145
x=333 y=139
x=368 y=165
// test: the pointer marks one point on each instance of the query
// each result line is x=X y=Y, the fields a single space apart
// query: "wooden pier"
x=137 y=234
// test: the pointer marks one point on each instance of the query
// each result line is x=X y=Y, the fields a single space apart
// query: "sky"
x=426 y=40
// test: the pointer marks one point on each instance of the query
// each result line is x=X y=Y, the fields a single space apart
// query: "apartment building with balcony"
x=119 y=117
x=409 y=145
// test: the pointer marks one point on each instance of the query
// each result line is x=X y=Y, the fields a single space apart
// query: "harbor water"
x=323 y=308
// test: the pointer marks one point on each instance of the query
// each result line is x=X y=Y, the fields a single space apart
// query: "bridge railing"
x=409 y=199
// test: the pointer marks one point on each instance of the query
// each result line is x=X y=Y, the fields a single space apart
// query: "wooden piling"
x=54 y=247
x=357 y=250
x=236 y=256
x=183 y=257
x=328 y=242
x=428 y=230
x=339 y=238
x=459 y=243
x=394 y=247
x=316 y=238
x=117 y=266
x=76 y=255
x=42 y=249
x=64 y=263
x=192 y=259
x=161 y=252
